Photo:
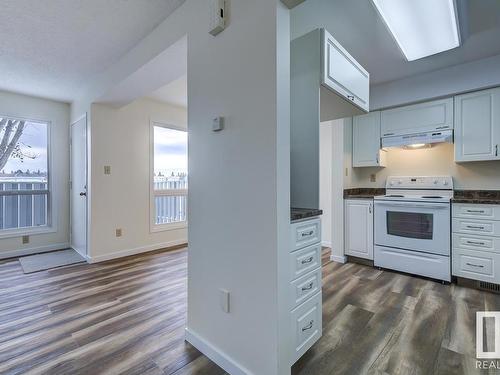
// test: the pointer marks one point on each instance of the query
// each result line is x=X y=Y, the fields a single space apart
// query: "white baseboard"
x=216 y=355
x=33 y=250
x=338 y=258
x=137 y=250
x=326 y=244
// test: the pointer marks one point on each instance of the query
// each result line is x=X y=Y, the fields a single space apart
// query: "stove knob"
x=400 y=182
x=436 y=182
x=445 y=182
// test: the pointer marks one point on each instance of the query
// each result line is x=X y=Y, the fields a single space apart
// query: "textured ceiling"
x=49 y=48
x=358 y=27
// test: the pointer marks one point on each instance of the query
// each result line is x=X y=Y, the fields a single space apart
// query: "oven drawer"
x=478 y=227
x=305 y=233
x=306 y=326
x=476 y=211
x=304 y=260
x=476 y=265
x=430 y=265
x=305 y=287
x=479 y=243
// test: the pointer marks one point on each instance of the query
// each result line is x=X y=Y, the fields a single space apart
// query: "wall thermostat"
x=217 y=16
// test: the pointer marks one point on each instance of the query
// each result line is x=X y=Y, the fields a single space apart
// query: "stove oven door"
x=418 y=226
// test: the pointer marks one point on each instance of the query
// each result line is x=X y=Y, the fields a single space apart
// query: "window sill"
x=13 y=233
x=166 y=227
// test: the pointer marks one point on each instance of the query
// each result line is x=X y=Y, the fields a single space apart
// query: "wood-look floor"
x=127 y=316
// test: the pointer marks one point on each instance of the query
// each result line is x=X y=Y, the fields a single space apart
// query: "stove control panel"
x=420 y=182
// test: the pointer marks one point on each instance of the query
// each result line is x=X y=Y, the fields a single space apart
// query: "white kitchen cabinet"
x=366 y=150
x=418 y=118
x=477 y=126
x=358 y=226
x=343 y=74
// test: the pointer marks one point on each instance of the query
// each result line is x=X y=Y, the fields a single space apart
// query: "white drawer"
x=305 y=233
x=304 y=260
x=474 y=242
x=476 y=211
x=305 y=287
x=477 y=227
x=476 y=265
x=306 y=326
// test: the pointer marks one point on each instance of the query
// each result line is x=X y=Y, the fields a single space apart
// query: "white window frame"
x=51 y=226
x=158 y=193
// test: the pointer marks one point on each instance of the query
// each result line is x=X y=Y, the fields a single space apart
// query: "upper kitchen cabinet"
x=366 y=141
x=343 y=74
x=477 y=126
x=418 y=118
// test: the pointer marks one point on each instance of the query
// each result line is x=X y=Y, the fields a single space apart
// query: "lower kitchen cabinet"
x=358 y=227
x=476 y=242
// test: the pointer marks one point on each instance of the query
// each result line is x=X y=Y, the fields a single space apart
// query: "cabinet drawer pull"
x=309 y=326
x=305 y=234
x=475 y=265
x=475 y=227
x=308 y=260
x=476 y=211
x=386 y=134
x=309 y=287
x=476 y=243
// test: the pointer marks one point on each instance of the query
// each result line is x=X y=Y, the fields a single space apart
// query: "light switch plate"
x=218 y=124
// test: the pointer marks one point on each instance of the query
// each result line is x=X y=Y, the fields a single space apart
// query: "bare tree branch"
x=7 y=146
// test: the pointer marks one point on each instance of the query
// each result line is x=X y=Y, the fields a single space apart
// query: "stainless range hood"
x=419 y=139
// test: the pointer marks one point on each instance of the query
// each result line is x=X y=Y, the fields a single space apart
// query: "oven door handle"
x=413 y=205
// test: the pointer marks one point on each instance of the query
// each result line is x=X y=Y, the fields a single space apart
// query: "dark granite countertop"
x=363 y=193
x=477 y=196
x=304 y=213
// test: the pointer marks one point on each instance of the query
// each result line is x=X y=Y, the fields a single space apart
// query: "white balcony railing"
x=170 y=199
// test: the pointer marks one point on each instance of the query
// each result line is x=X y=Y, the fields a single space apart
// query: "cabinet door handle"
x=474 y=265
x=308 y=260
x=475 y=227
x=309 y=326
x=476 y=243
x=309 y=287
x=350 y=97
x=305 y=234
x=386 y=134
x=377 y=158
x=496 y=150
x=370 y=208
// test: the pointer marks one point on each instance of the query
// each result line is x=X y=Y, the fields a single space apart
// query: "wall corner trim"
x=216 y=355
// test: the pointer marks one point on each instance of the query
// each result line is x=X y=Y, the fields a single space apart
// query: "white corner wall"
x=325 y=181
x=121 y=139
x=58 y=114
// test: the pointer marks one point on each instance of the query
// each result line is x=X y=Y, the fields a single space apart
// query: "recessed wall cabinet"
x=366 y=141
x=305 y=286
x=477 y=126
x=476 y=242
x=358 y=227
x=418 y=118
x=343 y=74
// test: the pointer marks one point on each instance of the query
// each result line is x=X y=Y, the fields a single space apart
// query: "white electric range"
x=412 y=226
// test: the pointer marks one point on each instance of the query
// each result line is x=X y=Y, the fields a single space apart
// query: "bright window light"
x=421 y=27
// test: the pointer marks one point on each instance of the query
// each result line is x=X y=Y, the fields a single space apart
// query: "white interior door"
x=79 y=186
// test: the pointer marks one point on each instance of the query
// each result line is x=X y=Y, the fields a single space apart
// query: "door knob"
x=83 y=194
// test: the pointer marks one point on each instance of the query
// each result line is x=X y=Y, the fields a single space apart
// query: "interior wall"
x=325 y=181
x=121 y=139
x=435 y=161
x=59 y=116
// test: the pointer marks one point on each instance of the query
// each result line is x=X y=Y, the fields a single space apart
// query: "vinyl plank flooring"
x=127 y=316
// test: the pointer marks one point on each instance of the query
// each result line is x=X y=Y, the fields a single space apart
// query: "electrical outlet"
x=26 y=239
x=224 y=300
x=107 y=169
x=118 y=232
x=373 y=177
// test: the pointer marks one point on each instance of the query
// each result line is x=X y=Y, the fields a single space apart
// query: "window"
x=170 y=173
x=24 y=175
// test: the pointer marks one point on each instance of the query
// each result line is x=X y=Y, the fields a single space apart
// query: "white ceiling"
x=358 y=27
x=50 y=48
x=173 y=93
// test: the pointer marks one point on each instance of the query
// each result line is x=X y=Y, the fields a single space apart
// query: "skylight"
x=421 y=27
